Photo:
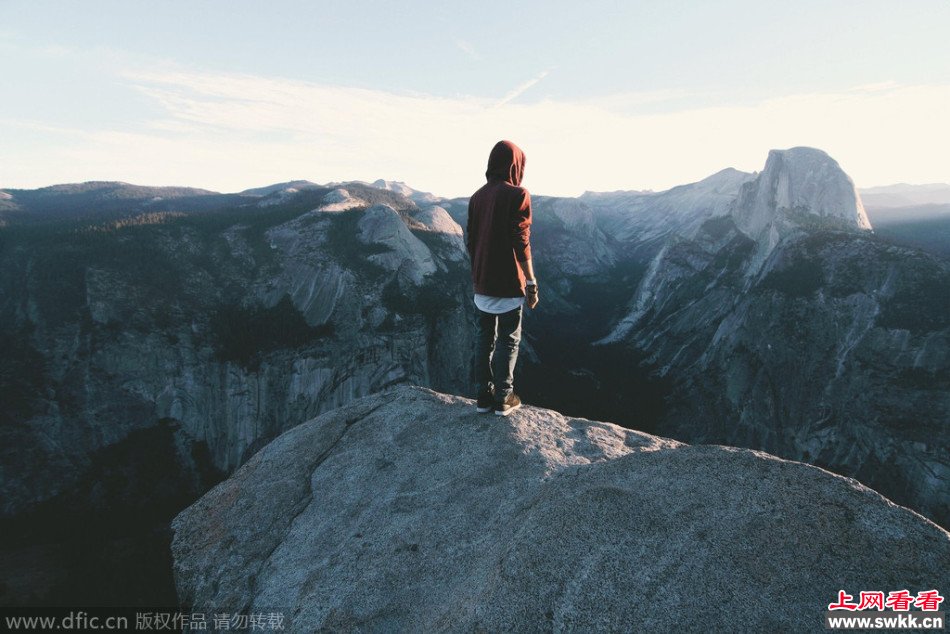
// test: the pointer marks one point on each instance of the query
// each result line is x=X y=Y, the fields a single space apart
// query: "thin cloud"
x=521 y=89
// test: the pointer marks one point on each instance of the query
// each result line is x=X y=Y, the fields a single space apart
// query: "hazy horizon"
x=861 y=189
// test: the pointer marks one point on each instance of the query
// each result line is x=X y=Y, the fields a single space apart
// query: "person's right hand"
x=531 y=295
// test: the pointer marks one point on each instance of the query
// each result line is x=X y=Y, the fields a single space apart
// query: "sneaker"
x=486 y=402
x=511 y=403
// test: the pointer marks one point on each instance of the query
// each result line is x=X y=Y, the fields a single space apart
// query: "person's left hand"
x=531 y=295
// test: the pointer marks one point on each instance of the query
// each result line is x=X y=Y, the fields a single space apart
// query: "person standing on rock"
x=498 y=242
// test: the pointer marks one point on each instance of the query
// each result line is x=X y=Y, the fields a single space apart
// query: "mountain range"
x=157 y=338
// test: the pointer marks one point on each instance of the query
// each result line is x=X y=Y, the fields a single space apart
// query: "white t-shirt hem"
x=497 y=305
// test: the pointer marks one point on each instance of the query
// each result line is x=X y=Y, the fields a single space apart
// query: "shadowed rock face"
x=237 y=322
x=407 y=511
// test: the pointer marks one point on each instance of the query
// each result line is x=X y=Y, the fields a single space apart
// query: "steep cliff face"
x=235 y=324
x=407 y=511
x=807 y=336
x=801 y=188
x=837 y=356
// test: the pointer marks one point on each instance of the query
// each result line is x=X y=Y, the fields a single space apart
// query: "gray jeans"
x=497 y=338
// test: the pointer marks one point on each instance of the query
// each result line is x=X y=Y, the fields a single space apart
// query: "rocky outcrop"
x=340 y=200
x=799 y=188
x=407 y=511
x=437 y=219
x=401 y=251
x=800 y=179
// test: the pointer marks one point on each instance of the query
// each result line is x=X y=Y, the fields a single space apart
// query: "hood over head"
x=506 y=162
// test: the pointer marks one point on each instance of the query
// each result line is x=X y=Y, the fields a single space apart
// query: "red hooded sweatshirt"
x=499 y=225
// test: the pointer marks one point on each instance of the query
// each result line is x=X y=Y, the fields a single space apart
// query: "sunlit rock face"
x=799 y=188
x=408 y=511
x=801 y=180
x=382 y=226
x=340 y=200
x=436 y=219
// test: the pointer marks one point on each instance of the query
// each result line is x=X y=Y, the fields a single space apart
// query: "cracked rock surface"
x=407 y=511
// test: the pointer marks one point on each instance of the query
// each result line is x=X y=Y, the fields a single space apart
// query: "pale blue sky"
x=229 y=95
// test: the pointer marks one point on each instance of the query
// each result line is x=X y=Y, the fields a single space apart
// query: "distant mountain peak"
x=399 y=187
x=122 y=189
x=904 y=188
x=806 y=179
x=800 y=187
x=394 y=186
x=728 y=176
x=904 y=195
x=266 y=190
